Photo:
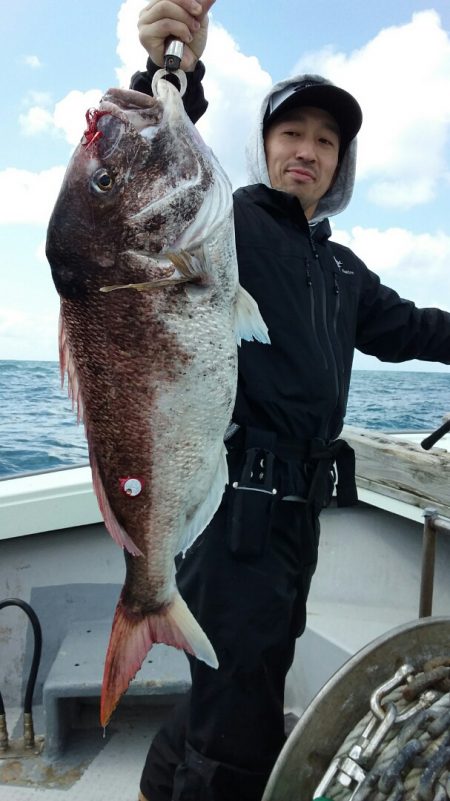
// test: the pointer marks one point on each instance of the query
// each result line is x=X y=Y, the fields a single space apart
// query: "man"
x=247 y=577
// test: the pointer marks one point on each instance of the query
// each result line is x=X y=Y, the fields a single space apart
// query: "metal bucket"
x=344 y=700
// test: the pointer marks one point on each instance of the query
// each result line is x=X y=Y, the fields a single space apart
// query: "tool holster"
x=252 y=496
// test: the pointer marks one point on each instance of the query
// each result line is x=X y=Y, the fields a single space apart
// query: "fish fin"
x=248 y=321
x=190 y=270
x=132 y=636
x=188 y=264
x=205 y=512
x=117 y=532
x=67 y=365
x=147 y=286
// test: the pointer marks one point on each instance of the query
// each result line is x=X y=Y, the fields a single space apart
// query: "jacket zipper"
x=312 y=307
x=326 y=327
x=337 y=308
x=337 y=304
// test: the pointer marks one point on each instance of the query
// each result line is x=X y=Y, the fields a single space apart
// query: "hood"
x=338 y=197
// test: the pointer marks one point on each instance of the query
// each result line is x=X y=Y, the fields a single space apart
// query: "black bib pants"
x=223 y=739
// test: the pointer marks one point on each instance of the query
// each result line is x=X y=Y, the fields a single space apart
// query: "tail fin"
x=132 y=638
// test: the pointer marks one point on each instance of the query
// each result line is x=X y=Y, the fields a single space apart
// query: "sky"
x=56 y=60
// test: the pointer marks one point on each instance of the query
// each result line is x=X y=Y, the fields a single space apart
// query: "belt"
x=318 y=453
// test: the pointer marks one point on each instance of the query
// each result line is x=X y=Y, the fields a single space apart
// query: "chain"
x=400 y=750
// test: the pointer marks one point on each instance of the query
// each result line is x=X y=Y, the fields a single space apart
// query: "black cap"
x=339 y=103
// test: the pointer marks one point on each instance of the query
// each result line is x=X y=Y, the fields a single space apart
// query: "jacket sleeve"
x=395 y=330
x=194 y=97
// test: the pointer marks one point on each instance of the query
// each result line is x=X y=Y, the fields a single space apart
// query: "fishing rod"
x=428 y=442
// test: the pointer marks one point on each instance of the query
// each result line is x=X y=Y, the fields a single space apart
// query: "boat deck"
x=94 y=767
x=56 y=555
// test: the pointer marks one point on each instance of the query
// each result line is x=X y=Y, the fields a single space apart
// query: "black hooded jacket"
x=319 y=301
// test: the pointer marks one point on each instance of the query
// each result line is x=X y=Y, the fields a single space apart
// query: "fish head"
x=141 y=182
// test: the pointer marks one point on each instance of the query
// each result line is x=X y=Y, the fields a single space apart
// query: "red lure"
x=91 y=134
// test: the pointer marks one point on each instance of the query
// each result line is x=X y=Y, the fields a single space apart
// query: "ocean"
x=39 y=432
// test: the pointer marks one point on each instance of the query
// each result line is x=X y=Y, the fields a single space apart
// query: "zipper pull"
x=313 y=247
x=308 y=273
x=336 y=284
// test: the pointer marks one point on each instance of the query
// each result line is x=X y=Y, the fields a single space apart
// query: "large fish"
x=141 y=246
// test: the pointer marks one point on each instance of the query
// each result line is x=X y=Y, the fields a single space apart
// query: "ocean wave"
x=39 y=429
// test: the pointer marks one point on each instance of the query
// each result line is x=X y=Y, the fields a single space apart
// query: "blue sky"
x=57 y=58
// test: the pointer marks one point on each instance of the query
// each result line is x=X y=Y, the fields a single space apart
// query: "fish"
x=142 y=254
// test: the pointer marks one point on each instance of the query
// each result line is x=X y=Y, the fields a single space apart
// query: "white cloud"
x=69 y=113
x=405 y=193
x=34 y=97
x=11 y=320
x=405 y=99
x=35 y=121
x=28 y=197
x=27 y=334
x=39 y=253
x=32 y=61
x=17 y=323
x=405 y=258
x=402 y=80
x=234 y=86
x=66 y=118
x=132 y=55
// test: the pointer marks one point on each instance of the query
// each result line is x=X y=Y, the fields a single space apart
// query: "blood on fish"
x=91 y=134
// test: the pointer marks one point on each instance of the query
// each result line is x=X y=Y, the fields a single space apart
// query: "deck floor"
x=93 y=767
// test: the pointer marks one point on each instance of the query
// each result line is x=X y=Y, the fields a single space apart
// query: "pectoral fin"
x=188 y=270
x=188 y=264
x=147 y=286
x=248 y=321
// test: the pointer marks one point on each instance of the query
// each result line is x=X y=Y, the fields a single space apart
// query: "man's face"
x=302 y=150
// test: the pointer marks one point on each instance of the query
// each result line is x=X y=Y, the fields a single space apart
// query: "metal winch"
x=400 y=749
x=379 y=729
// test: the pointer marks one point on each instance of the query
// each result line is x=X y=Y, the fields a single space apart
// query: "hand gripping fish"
x=141 y=247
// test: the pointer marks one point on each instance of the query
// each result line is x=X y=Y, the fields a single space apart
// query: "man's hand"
x=186 y=20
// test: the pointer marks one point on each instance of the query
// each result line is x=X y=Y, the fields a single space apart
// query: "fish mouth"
x=129 y=99
x=137 y=109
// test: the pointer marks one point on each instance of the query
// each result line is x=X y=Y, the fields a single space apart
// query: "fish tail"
x=133 y=636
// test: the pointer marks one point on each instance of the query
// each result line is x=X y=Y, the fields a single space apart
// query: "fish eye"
x=102 y=181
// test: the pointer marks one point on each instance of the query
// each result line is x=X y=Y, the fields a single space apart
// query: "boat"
x=383 y=567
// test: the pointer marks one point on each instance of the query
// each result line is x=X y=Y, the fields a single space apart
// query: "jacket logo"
x=341 y=268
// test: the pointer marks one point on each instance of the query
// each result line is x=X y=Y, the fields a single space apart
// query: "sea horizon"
x=39 y=430
x=391 y=367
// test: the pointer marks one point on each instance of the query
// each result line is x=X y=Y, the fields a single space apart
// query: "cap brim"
x=340 y=104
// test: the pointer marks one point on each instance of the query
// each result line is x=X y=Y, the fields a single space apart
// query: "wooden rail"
x=400 y=469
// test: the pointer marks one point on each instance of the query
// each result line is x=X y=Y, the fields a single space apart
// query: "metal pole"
x=428 y=558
